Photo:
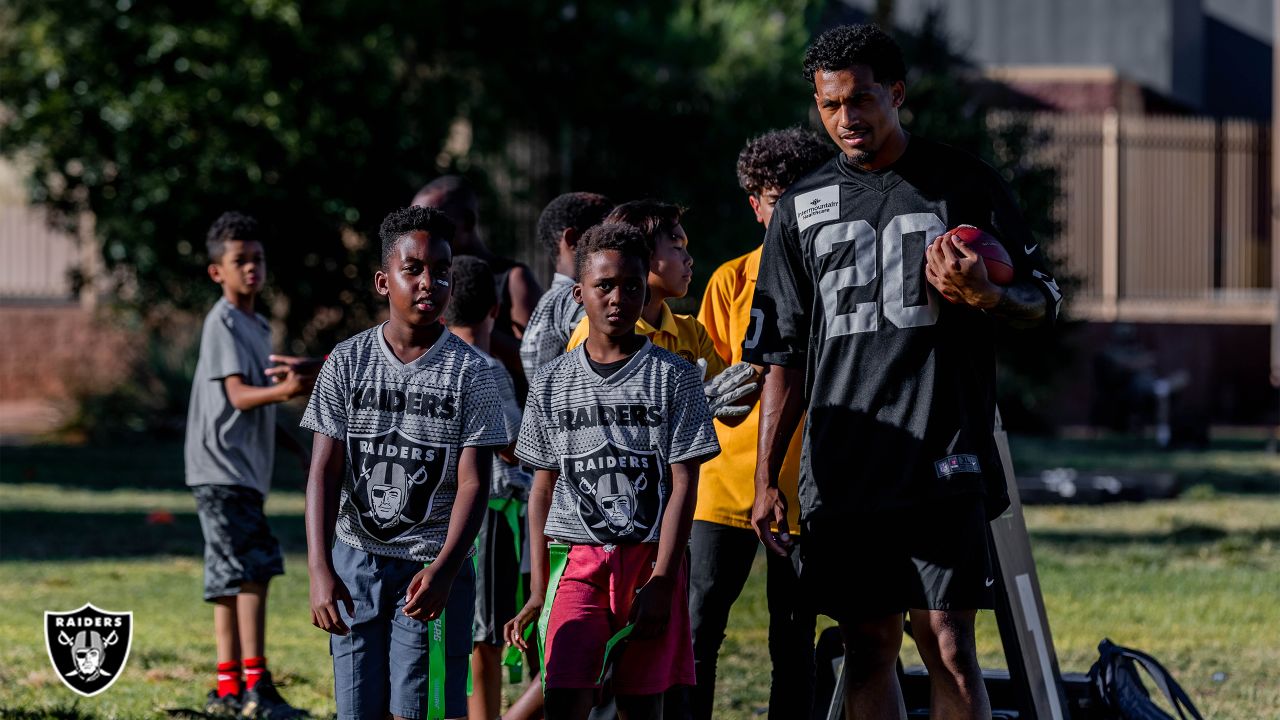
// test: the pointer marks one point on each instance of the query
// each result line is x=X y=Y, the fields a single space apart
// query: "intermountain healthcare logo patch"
x=817 y=206
x=396 y=478
x=88 y=647
x=619 y=490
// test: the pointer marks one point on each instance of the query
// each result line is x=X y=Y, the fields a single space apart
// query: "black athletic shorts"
x=933 y=557
x=238 y=544
x=497 y=573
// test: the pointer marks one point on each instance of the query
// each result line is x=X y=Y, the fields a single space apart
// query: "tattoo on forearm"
x=1021 y=304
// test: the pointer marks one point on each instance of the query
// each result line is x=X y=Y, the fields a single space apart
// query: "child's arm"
x=429 y=589
x=539 y=506
x=327 y=591
x=245 y=397
x=652 y=608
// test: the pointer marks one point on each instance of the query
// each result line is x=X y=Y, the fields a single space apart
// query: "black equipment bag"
x=1119 y=693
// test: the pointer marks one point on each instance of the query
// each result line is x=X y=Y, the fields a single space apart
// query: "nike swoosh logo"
x=1029 y=250
x=991 y=581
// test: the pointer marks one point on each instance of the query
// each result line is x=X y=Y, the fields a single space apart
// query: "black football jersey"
x=900 y=383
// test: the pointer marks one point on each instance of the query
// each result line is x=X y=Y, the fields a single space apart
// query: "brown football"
x=995 y=257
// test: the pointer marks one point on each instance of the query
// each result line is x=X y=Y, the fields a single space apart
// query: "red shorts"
x=593 y=602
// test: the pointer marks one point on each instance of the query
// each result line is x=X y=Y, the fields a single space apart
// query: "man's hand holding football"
x=959 y=274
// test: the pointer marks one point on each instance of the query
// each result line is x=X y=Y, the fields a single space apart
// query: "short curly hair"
x=231 y=225
x=649 y=217
x=780 y=157
x=406 y=220
x=840 y=48
x=577 y=210
x=622 y=238
x=472 y=295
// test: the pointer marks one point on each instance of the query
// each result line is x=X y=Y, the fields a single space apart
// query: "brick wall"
x=47 y=351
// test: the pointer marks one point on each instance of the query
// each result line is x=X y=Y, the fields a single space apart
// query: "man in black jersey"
x=880 y=324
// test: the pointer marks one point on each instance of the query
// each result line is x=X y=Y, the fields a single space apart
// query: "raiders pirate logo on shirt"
x=396 y=478
x=88 y=647
x=619 y=490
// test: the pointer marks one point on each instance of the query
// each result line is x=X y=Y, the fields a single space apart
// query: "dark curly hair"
x=231 y=225
x=623 y=238
x=407 y=220
x=841 y=48
x=780 y=157
x=577 y=210
x=648 y=216
x=472 y=294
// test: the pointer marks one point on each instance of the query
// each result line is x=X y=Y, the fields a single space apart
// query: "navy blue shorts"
x=238 y=544
x=382 y=664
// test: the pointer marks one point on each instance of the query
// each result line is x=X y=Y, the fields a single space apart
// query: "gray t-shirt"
x=404 y=426
x=550 y=325
x=613 y=440
x=225 y=446
x=506 y=480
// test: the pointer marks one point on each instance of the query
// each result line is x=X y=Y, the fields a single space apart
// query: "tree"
x=320 y=117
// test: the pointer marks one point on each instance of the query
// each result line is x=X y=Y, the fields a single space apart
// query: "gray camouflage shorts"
x=238 y=544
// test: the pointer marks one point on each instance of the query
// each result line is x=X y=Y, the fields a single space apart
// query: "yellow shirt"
x=681 y=334
x=726 y=485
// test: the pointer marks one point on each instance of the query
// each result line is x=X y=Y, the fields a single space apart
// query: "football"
x=995 y=257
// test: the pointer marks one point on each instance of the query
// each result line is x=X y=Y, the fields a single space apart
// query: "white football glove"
x=736 y=382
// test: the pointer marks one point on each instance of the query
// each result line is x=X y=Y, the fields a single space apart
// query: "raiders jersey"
x=506 y=481
x=550 y=325
x=612 y=440
x=900 y=383
x=403 y=426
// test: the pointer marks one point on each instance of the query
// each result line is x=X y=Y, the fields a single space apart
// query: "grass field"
x=1193 y=581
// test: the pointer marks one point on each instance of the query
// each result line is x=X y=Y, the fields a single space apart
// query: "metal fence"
x=1164 y=218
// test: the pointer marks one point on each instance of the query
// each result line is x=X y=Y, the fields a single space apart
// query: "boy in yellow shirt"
x=722 y=543
x=670 y=271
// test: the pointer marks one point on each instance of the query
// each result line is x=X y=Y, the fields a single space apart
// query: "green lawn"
x=1193 y=581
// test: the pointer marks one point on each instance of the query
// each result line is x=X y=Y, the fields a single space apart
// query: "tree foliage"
x=320 y=117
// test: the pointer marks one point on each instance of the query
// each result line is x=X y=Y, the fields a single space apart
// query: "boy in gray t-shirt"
x=405 y=416
x=561 y=223
x=499 y=593
x=230 y=449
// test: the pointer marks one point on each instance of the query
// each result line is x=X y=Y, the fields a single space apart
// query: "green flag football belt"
x=512 y=510
x=435 y=668
x=558 y=557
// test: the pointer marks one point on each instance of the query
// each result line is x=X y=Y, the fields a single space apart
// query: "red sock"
x=254 y=667
x=228 y=678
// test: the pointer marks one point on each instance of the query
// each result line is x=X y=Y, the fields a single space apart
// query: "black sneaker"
x=227 y=706
x=263 y=702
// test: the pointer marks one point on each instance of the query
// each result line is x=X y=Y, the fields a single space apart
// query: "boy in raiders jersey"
x=472 y=308
x=406 y=416
x=881 y=324
x=616 y=429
